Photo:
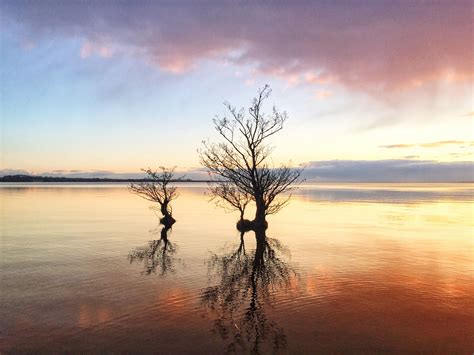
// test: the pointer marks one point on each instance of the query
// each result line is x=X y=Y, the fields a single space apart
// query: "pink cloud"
x=376 y=46
x=429 y=144
x=89 y=48
x=323 y=94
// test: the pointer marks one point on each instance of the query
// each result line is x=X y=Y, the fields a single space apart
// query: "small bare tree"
x=240 y=164
x=233 y=198
x=157 y=188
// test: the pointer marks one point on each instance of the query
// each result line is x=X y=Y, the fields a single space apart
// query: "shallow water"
x=347 y=268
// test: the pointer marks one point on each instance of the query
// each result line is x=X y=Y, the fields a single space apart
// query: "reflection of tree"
x=157 y=254
x=246 y=284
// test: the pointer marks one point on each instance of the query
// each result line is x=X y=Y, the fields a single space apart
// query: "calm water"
x=361 y=268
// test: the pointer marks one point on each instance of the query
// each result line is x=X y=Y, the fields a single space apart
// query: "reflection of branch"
x=240 y=166
x=245 y=285
x=158 y=253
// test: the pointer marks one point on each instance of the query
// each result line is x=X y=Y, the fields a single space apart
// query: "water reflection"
x=375 y=277
x=247 y=284
x=387 y=193
x=159 y=254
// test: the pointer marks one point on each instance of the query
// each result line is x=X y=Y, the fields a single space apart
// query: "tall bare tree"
x=242 y=158
x=158 y=189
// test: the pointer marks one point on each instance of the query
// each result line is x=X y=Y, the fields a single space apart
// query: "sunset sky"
x=370 y=87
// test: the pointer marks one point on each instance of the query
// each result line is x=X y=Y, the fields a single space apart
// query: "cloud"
x=428 y=145
x=441 y=143
x=411 y=157
x=391 y=170
x=368 y=45
x=459 y=155
x=77 y=173
x=4 y=172
x=89 y=48
x=323 y=94
x=398 y=146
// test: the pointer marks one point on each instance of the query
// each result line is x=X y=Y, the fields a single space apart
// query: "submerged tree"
x=240 y=165
x=157 y=188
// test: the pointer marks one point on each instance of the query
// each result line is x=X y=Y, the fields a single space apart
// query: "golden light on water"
x=385 y=262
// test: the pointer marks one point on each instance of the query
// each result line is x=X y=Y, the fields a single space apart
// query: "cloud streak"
x=390 y=170
x=428 y=145
x=442 y=143
x=367 y=45
x=390 y=146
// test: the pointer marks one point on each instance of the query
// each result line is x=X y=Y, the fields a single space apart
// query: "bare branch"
x=240 y=167
x=157 y=188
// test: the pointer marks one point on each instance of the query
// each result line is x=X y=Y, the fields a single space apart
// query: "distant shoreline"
x=55 y=179
x=33 y=178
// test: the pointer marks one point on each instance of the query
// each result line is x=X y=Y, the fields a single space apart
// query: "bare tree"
x=242 y=159
x=157 y=188
x=233 y=198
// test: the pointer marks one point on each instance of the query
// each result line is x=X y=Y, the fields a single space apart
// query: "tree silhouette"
x=233 y=197
x=240 y=165
x=158 y=189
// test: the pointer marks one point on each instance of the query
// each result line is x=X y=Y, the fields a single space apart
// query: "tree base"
x=167 y=221
x=244 y=225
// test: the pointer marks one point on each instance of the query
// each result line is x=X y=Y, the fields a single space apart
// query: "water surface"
x=347 y=268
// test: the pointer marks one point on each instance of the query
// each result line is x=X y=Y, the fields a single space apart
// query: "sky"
x=374 y=90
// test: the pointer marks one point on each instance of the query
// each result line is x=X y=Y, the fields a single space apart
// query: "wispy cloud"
x=391 y=170
x=398 y=146
x=323 y=94
x=441 y=143
x=4 y=172
x=380 y=46
x=428 y=145
x=463 y=154
x=89 y=48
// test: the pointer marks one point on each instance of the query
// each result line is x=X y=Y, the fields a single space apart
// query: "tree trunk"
x=260 y=222
x=167 y=219
x=164 y=209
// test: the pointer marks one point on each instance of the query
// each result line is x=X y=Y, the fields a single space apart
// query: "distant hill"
x=34 y=178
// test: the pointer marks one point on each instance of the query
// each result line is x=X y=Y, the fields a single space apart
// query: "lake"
x=347 y=268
